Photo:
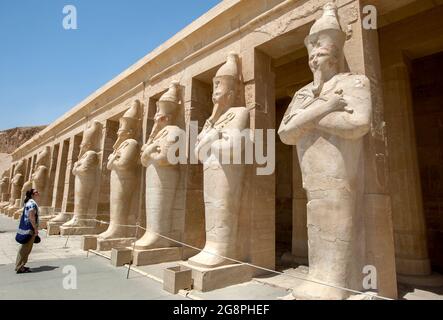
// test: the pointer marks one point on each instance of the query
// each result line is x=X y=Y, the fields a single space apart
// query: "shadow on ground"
x=44 y=269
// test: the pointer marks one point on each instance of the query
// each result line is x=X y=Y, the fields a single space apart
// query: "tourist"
x=28 y=229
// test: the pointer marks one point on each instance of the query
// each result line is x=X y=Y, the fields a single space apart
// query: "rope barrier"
x=138 y=226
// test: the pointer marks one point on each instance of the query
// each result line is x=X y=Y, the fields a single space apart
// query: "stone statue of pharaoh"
x=40 y=176
x=222 y=181
x=162 y=176
x=17 y=183
x=4 y=190
x=26 y=187
x=85 y=172
x=124 y=164
x=327 y=120
x=4 y=186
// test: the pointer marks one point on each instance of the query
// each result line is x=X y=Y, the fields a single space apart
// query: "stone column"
x=11 y=176
x=52 y=174
x=197 y=101
x=362 y=56
x=407 y=206
x=60 y=175
x=110 y=129
x=28 y=163
x=64 y=186
x=68 y=190
x=259 y=200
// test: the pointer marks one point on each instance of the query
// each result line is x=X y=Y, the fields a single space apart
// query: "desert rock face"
x=5 y=161
x=11 y=139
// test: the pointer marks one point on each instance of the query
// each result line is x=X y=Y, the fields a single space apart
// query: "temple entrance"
x=411 y=57
x=427 y=93
x=283 y=188
x=291 y=70
x=292 y=73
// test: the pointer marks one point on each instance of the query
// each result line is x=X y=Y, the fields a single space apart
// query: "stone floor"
x=97 y=279
x=56 y=248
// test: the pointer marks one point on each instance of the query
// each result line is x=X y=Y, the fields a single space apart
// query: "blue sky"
x=46 y=70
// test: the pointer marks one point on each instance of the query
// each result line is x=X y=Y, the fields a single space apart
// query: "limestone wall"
x=266 y=34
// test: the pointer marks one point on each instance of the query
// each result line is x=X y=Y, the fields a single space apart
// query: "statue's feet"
x=113 y=233
x=59 y=218
x=152 y=241
x=205 y=259
x=316 y=291
x=75 y=222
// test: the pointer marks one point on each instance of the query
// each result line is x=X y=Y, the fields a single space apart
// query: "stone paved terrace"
x=98 y=279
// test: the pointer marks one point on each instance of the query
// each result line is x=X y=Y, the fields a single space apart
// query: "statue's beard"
x=319 y=81
x=221 y=104
x=158 y=126
x=120 y=139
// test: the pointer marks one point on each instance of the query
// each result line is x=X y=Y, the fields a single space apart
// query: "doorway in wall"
x=427 y=92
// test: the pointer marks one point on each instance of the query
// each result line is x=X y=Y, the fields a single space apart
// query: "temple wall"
x=266 y=34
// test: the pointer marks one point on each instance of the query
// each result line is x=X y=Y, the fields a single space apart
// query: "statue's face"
x=85 y=147
x=161 y=119
x=128 y=154
x=125 y=132
x=224 y=91
x=164 y=111
x=322 y=59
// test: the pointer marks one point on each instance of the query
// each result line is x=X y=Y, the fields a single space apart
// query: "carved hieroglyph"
x=124 y=164
x=223 y=183
x=85 y=172
x=162 y=177
x=327 y=120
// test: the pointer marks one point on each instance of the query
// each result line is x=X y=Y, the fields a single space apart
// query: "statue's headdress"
x=230 y=68
x=172 y=95
x=326 y=29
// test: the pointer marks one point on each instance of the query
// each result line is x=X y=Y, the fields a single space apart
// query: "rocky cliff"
x=11 y=139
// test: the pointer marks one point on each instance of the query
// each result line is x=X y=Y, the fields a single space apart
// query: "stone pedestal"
x=53 y=228
x=154 y=256
x=121 y=256
x=54 y=224
x=176 y=279
x=89 y=243
x=46 y=214
x=109 y=244
x=220 y=277
x=84 y=230
x=10 y=211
